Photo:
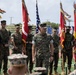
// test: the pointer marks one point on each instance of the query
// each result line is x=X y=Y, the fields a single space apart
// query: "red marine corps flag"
x=63 y=19
x=25 y=21
x=75 y=31
x=62 y=26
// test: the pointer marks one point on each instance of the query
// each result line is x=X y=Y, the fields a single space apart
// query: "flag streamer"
x=63 y=19
x=2 y=11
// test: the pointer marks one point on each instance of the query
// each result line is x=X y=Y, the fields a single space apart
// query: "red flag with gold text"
x=62 y=28
x=25 y=21
x=62 y=25
x=75 y=30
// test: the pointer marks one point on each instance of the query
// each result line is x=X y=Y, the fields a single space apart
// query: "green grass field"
x=59 y=66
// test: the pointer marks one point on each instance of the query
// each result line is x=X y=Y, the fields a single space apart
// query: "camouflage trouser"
x=55 y=61
x=4 y=57
x=43 y=63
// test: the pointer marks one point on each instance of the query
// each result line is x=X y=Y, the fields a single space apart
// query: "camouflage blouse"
x=42 y=43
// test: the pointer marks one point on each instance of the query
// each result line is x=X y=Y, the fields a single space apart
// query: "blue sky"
x=49 y=10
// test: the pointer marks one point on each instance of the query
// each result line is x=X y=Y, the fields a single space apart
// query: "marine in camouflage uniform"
x=4 y=46
x=17 y=40
x=67 y=51
x=42 y=48
x=29 y=49
x=56 y=41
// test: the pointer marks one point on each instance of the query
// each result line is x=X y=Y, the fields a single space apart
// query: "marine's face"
x=43 y=30
x=17 y=29
x=3 y=25
x=54 y=32
x=67 y=30
x=30 y=30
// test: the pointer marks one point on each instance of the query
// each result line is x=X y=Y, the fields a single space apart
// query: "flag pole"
x=37 y=18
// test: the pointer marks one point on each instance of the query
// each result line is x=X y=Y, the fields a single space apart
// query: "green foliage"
x=52 y=24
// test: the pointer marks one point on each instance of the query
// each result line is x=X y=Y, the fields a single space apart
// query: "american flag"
x=37 y=18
